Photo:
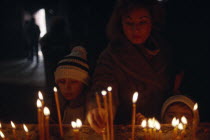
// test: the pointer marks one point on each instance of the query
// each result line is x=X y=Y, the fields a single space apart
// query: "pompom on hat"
x=74 y=66
x=183 y=99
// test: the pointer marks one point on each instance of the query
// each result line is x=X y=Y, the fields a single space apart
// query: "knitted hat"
x=179 y=98
x=74 y=66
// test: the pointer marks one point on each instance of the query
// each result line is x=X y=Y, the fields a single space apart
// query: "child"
x=178 y=106
x=72 y=77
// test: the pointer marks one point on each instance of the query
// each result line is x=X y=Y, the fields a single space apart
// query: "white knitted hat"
x=74 y=66
x=179 y=98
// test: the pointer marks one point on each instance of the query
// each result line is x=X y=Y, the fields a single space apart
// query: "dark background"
x=187 y=28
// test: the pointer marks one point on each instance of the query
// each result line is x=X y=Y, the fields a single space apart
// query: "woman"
x=136 y=59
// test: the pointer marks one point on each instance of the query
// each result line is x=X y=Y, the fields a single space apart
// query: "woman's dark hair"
x=114 y=27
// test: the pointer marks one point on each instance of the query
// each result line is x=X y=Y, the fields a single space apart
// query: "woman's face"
x=137 y=25
x=177 y=111
x=70 y=88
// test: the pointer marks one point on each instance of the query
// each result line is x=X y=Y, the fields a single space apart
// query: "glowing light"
x=174 y=122
x=135 y=97
x=109 y=88
x=0 y=125
x=13 y=125
x=40 y=95
x=184 y=120
x=195 y=107
x=55 y=89
x=144 y=123
x=38 y=103
x=73 y=124
x=103 y=92
x=2 y=135
x=25 y=128
x=79 y=123
x=46 y=111
x=157 y=125
x=41 y=21
x=180 y=126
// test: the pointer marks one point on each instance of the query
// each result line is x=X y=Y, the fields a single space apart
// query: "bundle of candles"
x=13 y=126
x=151 y=127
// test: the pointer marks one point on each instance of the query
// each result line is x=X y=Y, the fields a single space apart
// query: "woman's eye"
x=142 y=22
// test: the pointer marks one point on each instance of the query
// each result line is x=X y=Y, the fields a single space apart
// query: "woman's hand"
x=96 y=118
x=139 y=118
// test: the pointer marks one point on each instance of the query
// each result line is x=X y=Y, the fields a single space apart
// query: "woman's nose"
x=136 y=28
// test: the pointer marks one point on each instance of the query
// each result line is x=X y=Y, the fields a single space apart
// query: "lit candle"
x=175 y=123
x=104 y=93
x=76 y=126
x=194 y=127
x=159 y=132
x=180 y=127
x=58 y=111
x=40 y=119
x=184 y=121
x=47 y=117
x=144 y=126
x=109 y=89
x=2 y=135
x=41 y=98
x=14 y=130
x=26 y=130
x=135 y=97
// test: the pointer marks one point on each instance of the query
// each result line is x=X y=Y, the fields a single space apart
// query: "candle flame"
x=109 y=88
x=180 y=126
x=25 y=128
x=38 y=103
x=0 y=125
x=135 y=97
x=79 y=123
x=174 y=122
x=46 y=111
x=157 y=125
x=40 y=96
x=13 y=125
x=151 y=123
x=2 y=135
x=103 y=92
x=73 y=124
x=55 y=89
x=184 y=120
x=144 y=123
x=195 y=107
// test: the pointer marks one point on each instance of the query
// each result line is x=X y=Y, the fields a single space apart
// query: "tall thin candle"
x=135 y=97
x=194 y=125
x=58 y=111
x=109 y=89
x=47 y=117
x=104 y=93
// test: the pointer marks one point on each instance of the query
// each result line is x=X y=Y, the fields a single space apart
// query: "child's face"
x=137 y=25
x=70 y=88
x=177 y=110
